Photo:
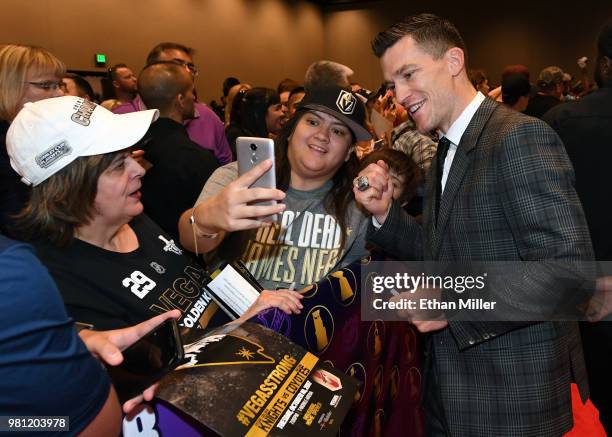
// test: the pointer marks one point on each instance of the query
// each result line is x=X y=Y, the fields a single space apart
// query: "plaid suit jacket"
x=509 y=197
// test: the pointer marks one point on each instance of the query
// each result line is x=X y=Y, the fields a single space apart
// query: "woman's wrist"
x=199 y=214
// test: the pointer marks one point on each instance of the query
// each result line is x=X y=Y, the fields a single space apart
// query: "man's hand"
x=424 y=326
x=107 y=346
x=600 y=305
x=423 y=320
x=379 y=195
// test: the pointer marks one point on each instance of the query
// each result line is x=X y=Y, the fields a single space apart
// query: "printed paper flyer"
x=249 y=380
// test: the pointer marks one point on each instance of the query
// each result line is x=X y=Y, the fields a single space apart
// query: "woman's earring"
x=348 y=154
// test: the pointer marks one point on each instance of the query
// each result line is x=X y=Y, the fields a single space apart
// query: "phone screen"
x=147 y=360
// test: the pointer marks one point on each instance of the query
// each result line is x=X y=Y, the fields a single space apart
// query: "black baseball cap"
x=340 y=103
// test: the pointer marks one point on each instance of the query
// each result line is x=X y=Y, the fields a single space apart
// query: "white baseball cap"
x=49 y=134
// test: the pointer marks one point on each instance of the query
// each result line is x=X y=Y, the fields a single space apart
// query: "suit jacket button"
x=486 y=336
x=471 y=341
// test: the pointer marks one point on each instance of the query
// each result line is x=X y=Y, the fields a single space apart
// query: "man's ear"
x=455 y=59
x=179 y=100
x=115 y=84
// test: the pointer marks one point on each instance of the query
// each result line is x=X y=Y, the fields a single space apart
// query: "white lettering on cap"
x=46 y=158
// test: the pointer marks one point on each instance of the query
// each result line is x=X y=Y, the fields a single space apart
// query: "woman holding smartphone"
x=318 y=229
x=113 y=265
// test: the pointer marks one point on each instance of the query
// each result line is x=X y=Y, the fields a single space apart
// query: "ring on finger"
x=362 y=183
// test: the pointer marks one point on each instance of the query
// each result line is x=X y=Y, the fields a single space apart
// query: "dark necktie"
x=443 y=146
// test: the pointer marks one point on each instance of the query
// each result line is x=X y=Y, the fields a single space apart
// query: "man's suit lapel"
x=461 y=163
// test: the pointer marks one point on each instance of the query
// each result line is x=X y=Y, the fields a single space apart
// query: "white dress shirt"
x=455 y=132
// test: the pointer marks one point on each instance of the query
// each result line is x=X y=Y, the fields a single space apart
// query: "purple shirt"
x=205 y=129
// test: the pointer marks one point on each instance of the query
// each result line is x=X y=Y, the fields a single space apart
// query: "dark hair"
x=253 y=109
x=514 y=86
x=402 y=165
x=64 y=202
x=515 y=69
x=112 y=72
x=433 y=34
x=153 y=55
x=297 y=90
x=286 y=85
x=228 y=83
x=159 y=83
x=236 y=112
x=339 y=197
x=82 y=84
x=603 y=73
x=477 y=76
x=604 y=40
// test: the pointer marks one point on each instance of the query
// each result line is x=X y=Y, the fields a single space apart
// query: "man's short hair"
x=159 y=83
x=228 y=83
x=327 y=74
x=550 y=77
x=433 y=34
x=112 y=72
x=477 y=76
x=83 y=86
x=515 y=69
x=514 y=86
x=286 y=84
x=153 y=55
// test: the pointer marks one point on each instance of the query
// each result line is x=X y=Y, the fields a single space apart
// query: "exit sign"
x=100 y=60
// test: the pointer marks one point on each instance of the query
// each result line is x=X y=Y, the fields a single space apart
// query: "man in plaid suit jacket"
x=503 y=192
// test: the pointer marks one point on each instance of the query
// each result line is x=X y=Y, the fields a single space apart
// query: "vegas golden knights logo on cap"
x=346 y=102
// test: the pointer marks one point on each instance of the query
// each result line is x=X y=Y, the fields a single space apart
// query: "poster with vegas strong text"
x=249 y=380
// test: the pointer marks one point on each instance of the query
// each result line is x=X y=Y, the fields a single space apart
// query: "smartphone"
x=147 y=361
x=252 y=151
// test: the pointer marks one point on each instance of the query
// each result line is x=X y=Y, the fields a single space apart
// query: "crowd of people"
x=106 y=208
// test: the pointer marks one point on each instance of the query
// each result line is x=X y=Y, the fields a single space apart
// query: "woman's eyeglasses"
x=49 y=85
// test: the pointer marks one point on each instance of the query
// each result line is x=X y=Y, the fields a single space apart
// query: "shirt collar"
x=455 y=132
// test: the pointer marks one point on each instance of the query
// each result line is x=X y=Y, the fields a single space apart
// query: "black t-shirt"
x=112 y=290
x=13 y=193
x=180 y=170
x=585 y=126
x=539 y=104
